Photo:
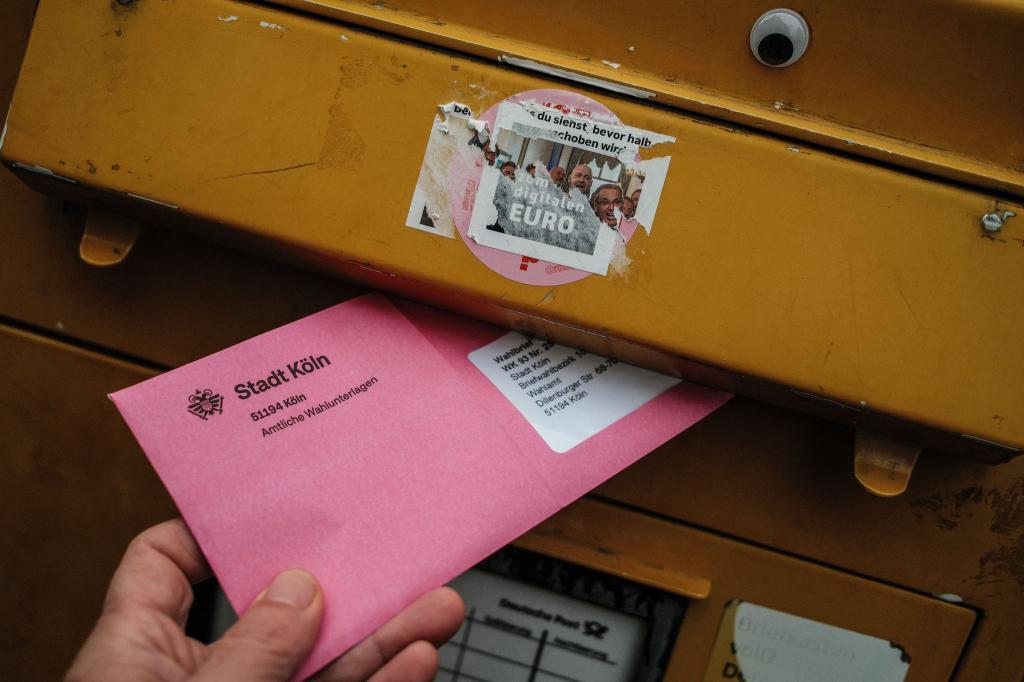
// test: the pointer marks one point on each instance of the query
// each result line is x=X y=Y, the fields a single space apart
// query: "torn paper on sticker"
x=454 y=132
x=565 y=187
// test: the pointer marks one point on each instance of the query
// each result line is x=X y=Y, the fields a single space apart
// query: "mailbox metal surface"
x=779 y=270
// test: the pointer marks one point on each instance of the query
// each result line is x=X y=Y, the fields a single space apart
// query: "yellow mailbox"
x=830 y=225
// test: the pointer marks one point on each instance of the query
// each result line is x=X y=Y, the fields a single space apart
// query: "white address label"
x=567 y=395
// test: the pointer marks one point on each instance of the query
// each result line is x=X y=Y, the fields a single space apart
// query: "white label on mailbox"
x=517 y=632
x=773 y=646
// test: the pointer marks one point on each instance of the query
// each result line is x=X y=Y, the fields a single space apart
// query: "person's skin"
x=628 y=207
x=605 y=201
x=582 y=179
x=558 y=175
x=140 y=633
x=508 y=169
x=635 y=198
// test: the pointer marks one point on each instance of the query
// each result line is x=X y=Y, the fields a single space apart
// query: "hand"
x=140 y=637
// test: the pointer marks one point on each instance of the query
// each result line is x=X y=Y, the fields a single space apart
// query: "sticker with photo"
x=519 y=209
x=545 y=188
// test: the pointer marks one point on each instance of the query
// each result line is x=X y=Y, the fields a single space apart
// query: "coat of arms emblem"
x=205 y=403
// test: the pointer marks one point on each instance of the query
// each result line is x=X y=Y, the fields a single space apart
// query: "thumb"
x=273 y=637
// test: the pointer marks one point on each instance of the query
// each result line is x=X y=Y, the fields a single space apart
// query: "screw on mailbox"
x=992 y=222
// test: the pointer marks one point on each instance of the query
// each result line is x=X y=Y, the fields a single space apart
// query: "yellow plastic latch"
x=883 y=464
x=108 y=237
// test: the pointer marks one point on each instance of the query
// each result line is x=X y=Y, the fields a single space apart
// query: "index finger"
x=433 y=618
x=158 y=571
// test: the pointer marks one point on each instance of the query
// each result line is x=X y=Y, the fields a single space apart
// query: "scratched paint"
x=948 y=508
x=1005 y=563
x=40 y=170
x=152 y=201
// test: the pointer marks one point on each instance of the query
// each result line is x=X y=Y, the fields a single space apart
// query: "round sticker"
x=467 y=168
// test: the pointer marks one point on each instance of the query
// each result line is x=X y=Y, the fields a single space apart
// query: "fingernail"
x=294 y=588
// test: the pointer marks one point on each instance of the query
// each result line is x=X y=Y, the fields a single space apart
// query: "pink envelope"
x=362 y=444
